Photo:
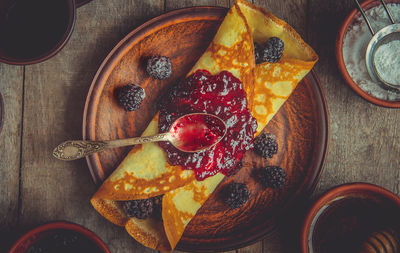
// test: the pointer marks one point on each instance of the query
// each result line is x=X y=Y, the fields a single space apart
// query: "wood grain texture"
x=299 y=125
x=364 y=137
x=364 y=141
x=80 y=3
x=125 y=66
x=173 y=4
x=55 y=96
x=294 y=12
x=11 y=87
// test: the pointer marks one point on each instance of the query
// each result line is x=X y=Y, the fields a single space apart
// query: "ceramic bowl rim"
x=341 y=191
x=60 y=225
x=368 y=4
x=53 y=51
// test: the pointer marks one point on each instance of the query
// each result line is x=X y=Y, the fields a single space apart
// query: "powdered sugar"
x=354 y=47
x=387 y=62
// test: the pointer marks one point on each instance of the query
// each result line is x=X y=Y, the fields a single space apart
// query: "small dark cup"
x=32 y=31
x=349 y=217
x=31 y=241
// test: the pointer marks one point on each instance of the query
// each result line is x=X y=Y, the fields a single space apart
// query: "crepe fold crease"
x=145 y=172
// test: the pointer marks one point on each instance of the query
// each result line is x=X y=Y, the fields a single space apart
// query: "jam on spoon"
x=192 y=132
x=197 y=131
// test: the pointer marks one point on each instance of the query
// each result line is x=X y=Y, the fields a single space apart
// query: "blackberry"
x=237 y=195
x=265 y=145
x=273 y=49
x=257 y=52
x=130 y=97
x=140 y=208
x=273 y=177
x=159 y=67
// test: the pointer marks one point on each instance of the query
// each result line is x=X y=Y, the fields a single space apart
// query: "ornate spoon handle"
x=72 y=150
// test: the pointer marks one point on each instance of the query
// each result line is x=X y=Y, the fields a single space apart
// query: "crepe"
x=145 y=172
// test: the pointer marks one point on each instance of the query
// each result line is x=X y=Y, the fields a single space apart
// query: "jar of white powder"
x=387 y=56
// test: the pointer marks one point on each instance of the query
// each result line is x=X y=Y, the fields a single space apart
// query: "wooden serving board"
x=301 y=128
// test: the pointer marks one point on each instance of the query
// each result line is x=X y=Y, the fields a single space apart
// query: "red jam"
x=221 y=95
x=193 y=132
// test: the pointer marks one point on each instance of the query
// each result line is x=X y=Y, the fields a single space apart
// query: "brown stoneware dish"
x=339 y=55
x=34 y=31
x=34 y=237
x=300 y=127
x=351 y=217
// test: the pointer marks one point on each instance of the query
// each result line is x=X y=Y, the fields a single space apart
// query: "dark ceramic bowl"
x=30 y=238
x=346 y=217
x=368 y=4
x=12 y=52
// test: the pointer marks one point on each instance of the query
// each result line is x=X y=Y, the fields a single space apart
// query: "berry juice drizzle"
x=221 y=95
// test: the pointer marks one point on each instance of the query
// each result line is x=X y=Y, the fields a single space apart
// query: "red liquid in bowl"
x=221 y=95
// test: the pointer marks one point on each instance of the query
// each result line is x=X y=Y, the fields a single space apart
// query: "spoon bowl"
x=197 y=132
x=193 y=132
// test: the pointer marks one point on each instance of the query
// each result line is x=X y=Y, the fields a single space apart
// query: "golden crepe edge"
x=150 y=232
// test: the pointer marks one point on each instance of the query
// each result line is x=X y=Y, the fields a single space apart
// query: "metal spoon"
x=383 y=36
x=190 y=133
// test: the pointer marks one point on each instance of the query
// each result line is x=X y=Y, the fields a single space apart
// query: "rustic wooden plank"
x=11 y=87
x=175 y=4
x=274 y=243
x=363 y=142
x=294 y=12
x=254 y=248
x=55 y=95
x=364 y=137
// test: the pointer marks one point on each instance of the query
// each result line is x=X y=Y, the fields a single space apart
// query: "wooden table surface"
x=44 y=105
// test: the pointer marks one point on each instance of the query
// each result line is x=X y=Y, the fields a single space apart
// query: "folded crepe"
x=145 y=172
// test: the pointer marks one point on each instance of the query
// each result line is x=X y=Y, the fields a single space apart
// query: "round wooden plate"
x=301 y=128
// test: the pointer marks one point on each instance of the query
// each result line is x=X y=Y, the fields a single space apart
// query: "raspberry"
x=159 y=67
x=237 y=195
x=130 y=97
x=273 y=49
x=273 y=177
